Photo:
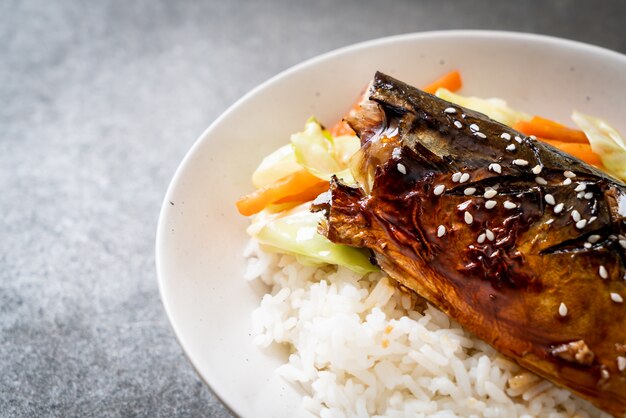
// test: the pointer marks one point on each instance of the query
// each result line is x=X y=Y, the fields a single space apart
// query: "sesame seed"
x=567 y=182
x=456 y=177
x=549 y=221
x=490 y=204
x=587 y=245
x=401 y=168
x=464 y=177
x=621 y=363
x=593 y=218
x=588 y=195
x=490 y=235
x=396 y=152
x=532 y=138
x=580 y=187
x=458 y=124
x=520 y=162
x=605 y=374
x=603 y=273
x=506 y=136
x=510 y=147
x=576 y=215
x=489 y=193
x=593 y=238
x=581 y=224
x=481 y=238
x=463 y=115
x=468 y=218
x=541 y=180
x=480 y=135
x=622 y=242
x=439 y=189
x=509 y=205
x=474 y=127
x=495 y=167
x=558 y=208
x=616 y=297
x=518 y=139
x=469 y=191
x=580 y=195
x=441 y=231
x=465 y=205
x=450 y=110
x=537 y=169
x=549 y=199
x=562 y=309
x=569 y=174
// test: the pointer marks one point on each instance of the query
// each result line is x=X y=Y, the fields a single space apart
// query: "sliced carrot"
x=545 y=128
x=549 y=122
x=451 y=81
x=291 y=185
x=307 y=194
x=578 y=150
x=341 y=128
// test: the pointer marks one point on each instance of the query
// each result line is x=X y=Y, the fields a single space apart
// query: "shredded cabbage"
x=313 y=149
x=275 y=166
x=496 y=109
x=295 y=232
x=605 y=141
x=321 y=154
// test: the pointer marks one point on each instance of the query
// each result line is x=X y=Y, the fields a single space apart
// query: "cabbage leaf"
x=295 y=232
x=605 y=141
x=321 y=154
x=496 y=109
x=275 y=166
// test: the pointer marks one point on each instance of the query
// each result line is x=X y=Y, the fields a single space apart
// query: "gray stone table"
x=99 y=101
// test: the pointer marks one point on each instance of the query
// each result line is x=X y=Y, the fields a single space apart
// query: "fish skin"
x=507 y=290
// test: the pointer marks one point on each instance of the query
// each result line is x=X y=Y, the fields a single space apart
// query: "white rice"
x=363 y=348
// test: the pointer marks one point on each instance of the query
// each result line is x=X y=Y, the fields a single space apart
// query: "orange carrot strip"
x=578 y=150
x=306 y=194
x=546 y=128
x=341 y=128
x=451 y=81
x=548 y=122
x=290 y=185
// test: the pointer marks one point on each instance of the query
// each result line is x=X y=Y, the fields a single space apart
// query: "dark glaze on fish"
x=503 y=272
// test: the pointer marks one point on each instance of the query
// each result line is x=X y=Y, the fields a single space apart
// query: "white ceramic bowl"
x=201 y=236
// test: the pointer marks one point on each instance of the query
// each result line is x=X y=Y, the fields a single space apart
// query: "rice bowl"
x=201 y=238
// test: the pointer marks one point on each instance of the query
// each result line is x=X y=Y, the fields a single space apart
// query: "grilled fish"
x=519 y=242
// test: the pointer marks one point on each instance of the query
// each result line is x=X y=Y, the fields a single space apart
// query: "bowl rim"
x=438 y=34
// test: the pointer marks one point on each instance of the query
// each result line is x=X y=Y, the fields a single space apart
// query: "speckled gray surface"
x=99 y=103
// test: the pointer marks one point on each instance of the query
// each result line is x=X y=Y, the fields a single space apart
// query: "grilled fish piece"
x=520 y=243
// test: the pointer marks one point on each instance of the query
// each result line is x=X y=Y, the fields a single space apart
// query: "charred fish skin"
x=497 y=236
